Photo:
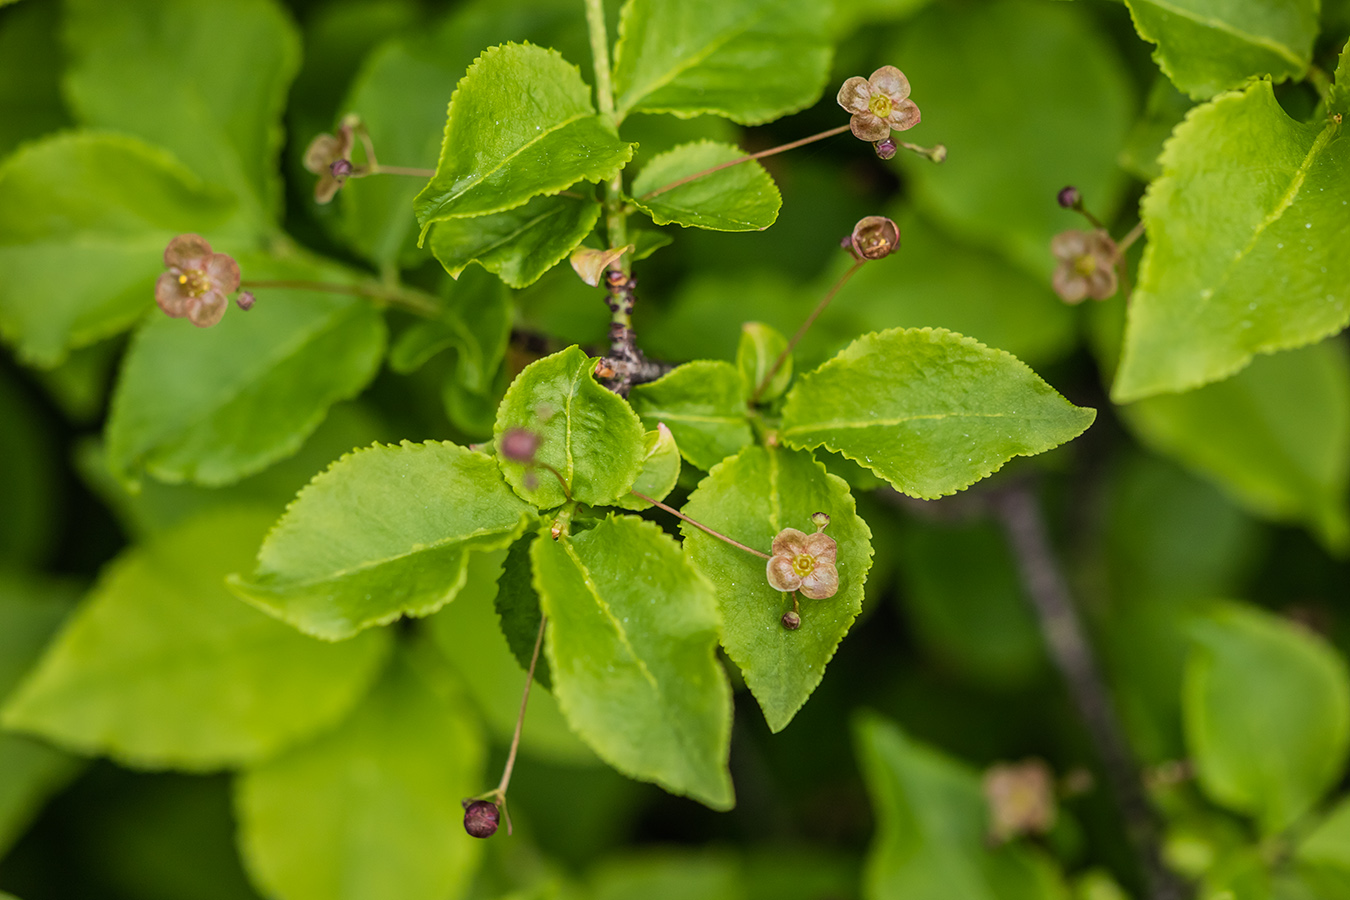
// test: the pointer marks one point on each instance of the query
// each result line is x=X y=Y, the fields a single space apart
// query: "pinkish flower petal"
x=187 y=251
x=904 y=115
x=822 y=548
x=789 y=542
x=822 y=583
x=868 y=127
x=206 y=310
x=855 y=93
x=326 y=188
x=1068 y=284
x=781 y=575
x=223 y=272
x=170 y=296
x=321 y=153
x=1069 y=245
x=1102 y=283
x=890 y=81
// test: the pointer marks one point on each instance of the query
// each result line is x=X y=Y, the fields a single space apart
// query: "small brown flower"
x=197 y=282
x=804 y=562
x=874 y=237
x=1087 y=265
x=330 y=157
x=1021 y=798
x=879 y=104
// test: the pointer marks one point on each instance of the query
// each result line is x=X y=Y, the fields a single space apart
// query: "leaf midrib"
x=1228 y=28
x=891 y=423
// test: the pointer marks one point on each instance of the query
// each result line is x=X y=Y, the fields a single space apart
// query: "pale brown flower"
x=1087 y=265
x=804 y=562
x=879 y=104
x=874 y=237
x=198 y=281
x=1021 y=798
x=330 y=157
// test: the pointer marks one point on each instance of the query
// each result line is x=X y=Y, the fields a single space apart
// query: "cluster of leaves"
x=353 y=743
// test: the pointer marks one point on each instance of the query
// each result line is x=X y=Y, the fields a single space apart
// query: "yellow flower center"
x=194 y=282
x=880 y=105
x=1085 y=265
x=803 y=565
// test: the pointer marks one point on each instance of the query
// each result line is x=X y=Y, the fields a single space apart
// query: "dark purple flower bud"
x=885 y=149
x=341 y=168
x=519 y=444
x=791 y=620
x=1069 y=198
x=481 y=818
x=245 y=300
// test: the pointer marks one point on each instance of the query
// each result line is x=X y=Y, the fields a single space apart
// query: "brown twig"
x=626 y=365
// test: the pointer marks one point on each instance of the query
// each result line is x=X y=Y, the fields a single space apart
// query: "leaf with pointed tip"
x=750 y=498
x=84 y=220
x=631 y=641
x=1208 y=46
x=589 y=435
x=760 y=347
x=703 y=404
x=660 y=470
x=162 y=667
x=750 y=61
x=372 y=808
x=1266 y=709
x=927 y=409
x=207 y=80
x=213 y=405
x=518 y=245
x=384 y=532
x=1244 y=255
x=738 y=198
x=521 y=124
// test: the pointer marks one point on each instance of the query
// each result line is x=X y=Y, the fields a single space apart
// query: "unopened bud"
x=519 y=445
x=791 y=620
x=245 y=300
x=1069 y=198
x=874 y=237
x=821 y=520
x=885 y=149
x=341 y=168
x=481 y=818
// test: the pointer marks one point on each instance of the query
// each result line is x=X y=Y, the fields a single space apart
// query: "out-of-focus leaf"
x=1163 y=111
x=29 y=489
x=668 y=876
x=476 y=322
x=761 y=346
x=30 y=73
x=1329 y=842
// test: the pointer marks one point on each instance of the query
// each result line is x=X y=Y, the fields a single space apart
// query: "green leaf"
x=371 y=809
x=1266 y=709
x=84 y=220
x=703 y=404
x=1244 y=251
x=162 y=667
x=384 y=532
x=751 y=61
x=206 y=80
x=1164 y=110
x=1276 y=437
x=970 y=66
x=520 y=124
x=668 y=875
x=930 y=411
x=212 y=405
x=30 y=482
x=476 y=322
x=647 y=241
x=1208 y=46
x=518 y=245
x=760 y=347
x=589 y=435
x=738 y=198
x=1329 y=842
x=471 y=638
x=750 y=498
x=930 y=842
x=660 y=469
x=30 y=75
x=631 y=643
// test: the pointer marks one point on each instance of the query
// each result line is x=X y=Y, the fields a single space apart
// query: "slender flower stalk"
x=801 y=332
x=405 y=299
x=791 y=145
x=679 y=515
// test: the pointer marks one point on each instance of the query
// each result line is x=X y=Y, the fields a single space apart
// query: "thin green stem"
x=412 y=302
x=679 y=515
x=1128 y=240
x=792 y=145
x=801 y=332
x=381 y=169
x=616 y=217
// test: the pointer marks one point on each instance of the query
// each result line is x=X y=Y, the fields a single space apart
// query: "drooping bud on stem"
x=792 y=620
x=481 y=818
x=245 y=300
x=885 y=149
x=874 y=237
x=1069 y=198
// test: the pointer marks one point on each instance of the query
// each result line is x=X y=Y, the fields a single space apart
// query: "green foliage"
x=661 y=709
x=750 y=62
x=876 y=404
x=518 y=245
x=1236 y=262
x=738 y=198
x=351 y=553
x=1208 y=46
x=781 y=667
x=703 y=405
x=660 y=469
x=500 y=152
x=1267 y=714
x=757 y=354
x=160 y=667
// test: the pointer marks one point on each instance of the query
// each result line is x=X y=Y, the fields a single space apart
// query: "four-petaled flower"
x=804 y=562
x=879 y=104
x=197 y=282
x=330 y=157
x=1087 y=265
